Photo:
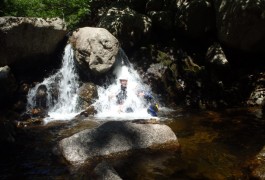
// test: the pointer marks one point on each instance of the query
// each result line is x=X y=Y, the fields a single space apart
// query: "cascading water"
x=61 y=91
x=106 y=105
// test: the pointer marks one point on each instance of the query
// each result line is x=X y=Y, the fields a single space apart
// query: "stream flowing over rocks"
x=194 y=54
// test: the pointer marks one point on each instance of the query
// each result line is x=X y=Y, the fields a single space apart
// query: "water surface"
x=214 y=145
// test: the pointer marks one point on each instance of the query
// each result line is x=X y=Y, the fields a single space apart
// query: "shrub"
x=72 y=11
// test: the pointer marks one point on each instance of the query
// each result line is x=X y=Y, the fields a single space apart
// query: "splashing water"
x=61 y=90
x=106 y=105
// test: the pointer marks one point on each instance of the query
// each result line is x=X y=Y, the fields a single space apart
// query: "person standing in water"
x=121 y=96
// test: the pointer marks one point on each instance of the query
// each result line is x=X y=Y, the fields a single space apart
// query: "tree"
x=72 y=11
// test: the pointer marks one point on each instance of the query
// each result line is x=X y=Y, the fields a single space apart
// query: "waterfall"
x=106 y=105
x=61 y=91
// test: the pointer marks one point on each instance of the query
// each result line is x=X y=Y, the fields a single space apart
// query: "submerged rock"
x=115 y=137
x=105 y=171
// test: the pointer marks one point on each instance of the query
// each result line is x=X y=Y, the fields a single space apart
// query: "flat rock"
x=115 y=137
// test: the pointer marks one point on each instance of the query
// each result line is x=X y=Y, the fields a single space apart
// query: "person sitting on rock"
x=150 y=102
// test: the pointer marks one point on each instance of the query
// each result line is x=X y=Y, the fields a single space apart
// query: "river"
x=214 y=145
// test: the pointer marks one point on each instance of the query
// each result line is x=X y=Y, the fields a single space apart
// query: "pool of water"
x=214 y=145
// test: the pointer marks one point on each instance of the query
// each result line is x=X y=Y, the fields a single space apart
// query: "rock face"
x=95 y=49
x=127 y=25
x=7 y=83
x=29 y=38
x=114 y=137
x=241 y=24
x=195 y=17
x=217 y=62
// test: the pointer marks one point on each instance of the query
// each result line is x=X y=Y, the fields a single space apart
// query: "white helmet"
x=123 y=78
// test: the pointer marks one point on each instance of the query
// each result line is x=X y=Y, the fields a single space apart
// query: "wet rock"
x=88 y=111
x=130 y=27
x=29 y=122
x=115 y=137
x=105 y=171
x=29 y=39
x=87 y=93
x=95 y=50
x=41 y=97
x=38 y=112
x=257 y=165
x=257 y=96
x=241 y=24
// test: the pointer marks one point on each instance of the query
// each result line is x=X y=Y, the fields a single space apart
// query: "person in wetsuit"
x=150 y=102
x=122 y=95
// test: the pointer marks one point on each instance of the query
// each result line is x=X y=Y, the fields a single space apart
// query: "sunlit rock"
x=130 y=27
x=95 y=49
x=115 y=137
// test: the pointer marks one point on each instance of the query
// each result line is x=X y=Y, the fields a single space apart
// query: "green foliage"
x=73 y=11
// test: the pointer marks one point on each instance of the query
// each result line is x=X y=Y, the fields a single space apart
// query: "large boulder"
x=130 y=27
x=241 y=24
x=95 y=50
x=115 y=137
x=23 y=39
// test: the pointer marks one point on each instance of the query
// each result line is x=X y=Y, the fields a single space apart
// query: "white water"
x=66 y=83
x=106 y=104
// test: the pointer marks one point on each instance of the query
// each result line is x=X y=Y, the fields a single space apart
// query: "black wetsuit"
x=122 y=95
